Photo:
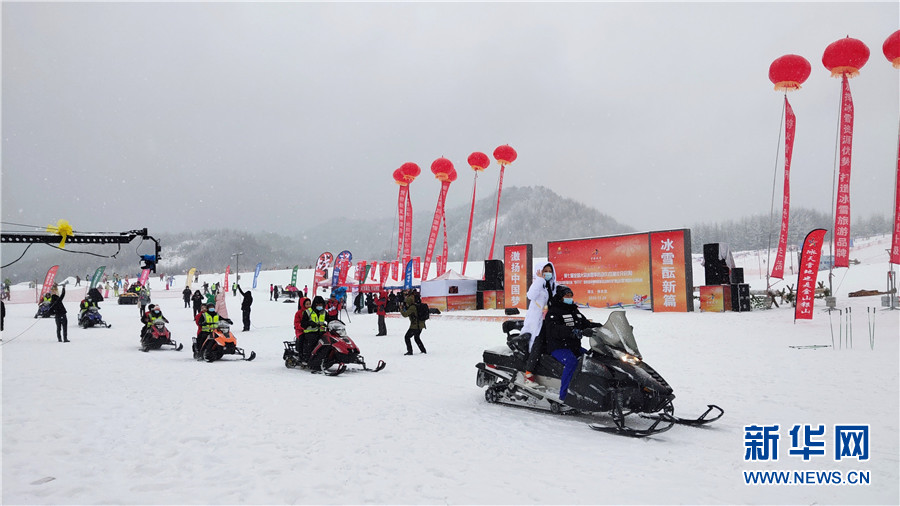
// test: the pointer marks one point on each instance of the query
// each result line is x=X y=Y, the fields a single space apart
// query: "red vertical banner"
x=145 y=275
x=442 y=268
x=407 y=230
x=48 y=281
x=441 y=265
x=360 y=272
x=227 y=272
x=395 y=271
x=809 y=269
x=435 y=225
x=417 y=267
x=402 y=199
x=517 y=263
x=842 y=207
x=789 y=130
x=669 y=260
x=895 y=239
x=322 y=265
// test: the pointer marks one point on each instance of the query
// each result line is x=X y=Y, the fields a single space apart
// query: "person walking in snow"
x=380 y=304
x=416 y=326
x=197 y=301
x=186 y=295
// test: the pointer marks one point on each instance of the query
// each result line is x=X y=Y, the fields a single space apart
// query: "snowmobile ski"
x=711 y=414
x=251 y=357
x=336 y=371
x=379 y=366
x=624 y=430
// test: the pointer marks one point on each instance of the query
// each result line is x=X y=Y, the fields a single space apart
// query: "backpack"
x=422 y=311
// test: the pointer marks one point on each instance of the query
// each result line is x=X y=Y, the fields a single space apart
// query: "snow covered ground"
x=95 y=421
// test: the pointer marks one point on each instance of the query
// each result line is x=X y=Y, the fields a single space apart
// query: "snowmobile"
x=43 y=310
x=158 y=335
x=91 y=318
x=222 y=342
x=336 y=350
x=611 y=378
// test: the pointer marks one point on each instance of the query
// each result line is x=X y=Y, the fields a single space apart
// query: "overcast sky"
x=264 y=116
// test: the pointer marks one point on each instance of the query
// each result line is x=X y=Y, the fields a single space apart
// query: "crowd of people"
x=552 y=323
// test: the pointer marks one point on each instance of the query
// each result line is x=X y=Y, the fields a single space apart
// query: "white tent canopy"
x=449 y=283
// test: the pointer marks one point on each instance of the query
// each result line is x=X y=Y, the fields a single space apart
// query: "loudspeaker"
x=740 y=297
x=737 y=275
x=479 y=297
x=716 y=269
x=493 y=274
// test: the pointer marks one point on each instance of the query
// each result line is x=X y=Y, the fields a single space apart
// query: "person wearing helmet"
x=208 y=322
x=563 y=328
x=314 y=324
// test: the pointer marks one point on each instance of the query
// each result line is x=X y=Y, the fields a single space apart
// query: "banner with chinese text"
x=517 y=266
x=809 y=269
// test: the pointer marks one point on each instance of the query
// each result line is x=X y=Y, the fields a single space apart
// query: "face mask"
x=548 y=276
x=568 y=300
x=319 y=308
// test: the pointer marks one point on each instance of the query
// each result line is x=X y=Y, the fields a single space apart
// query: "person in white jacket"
x=539 y=294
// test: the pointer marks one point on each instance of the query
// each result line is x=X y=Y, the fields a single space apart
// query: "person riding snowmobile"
x=562 y=329
x=540 y=294
x=314 y=325
x=209 y=321
x=302 y=305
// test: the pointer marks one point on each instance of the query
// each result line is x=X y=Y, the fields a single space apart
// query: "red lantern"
x=891 y=49
x=845 y=56
x=451 y=176
x=505 y=154
x=478 y=161
x=441 y=168
x=410 y=171
x=398 y=177
x=789 y=72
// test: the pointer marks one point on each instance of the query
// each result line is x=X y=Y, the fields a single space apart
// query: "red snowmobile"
x=157 y=336
x=332 y=353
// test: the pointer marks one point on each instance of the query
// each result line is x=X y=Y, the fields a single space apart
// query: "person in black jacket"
x=245 y=306
x=563 y=328
x=197 y=302
x=186 y=295
x=58 y=309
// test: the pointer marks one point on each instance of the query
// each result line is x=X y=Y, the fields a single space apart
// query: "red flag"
x=407 y=229
x=809 y=269
x=417 y=267
x=48 y=281
x=442 y=268
x=789 y=130
x=497 y=213
x=469 y=232
x=441 y=265
x=842 y=209
x=322 y=265
x=401 y=211
x=895 y=239
x=145 y=275
x=435 y=224
x=227 y=272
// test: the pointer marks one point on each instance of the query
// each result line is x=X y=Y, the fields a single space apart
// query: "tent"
x=450 y=291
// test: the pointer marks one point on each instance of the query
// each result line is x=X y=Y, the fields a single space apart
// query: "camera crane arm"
x=147 y=261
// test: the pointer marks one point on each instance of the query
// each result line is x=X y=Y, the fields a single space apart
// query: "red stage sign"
x=624 y=271
x=671 y=269
x=517 y=265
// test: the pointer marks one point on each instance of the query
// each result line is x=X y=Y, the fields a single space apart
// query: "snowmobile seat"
x=518 y=343
x=504 y=358
x=511 y=325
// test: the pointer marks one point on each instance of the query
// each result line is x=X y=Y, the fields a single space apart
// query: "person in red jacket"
x=332 y=309
x=302 y=305
x=380 y=303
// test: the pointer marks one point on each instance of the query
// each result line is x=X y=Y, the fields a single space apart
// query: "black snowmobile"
x=611 y=378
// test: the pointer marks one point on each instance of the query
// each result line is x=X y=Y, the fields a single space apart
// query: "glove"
x=577 y=333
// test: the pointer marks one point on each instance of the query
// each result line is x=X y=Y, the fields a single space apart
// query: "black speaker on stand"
x=493 y=275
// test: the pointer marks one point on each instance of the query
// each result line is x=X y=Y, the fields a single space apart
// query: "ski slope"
x=95 y=421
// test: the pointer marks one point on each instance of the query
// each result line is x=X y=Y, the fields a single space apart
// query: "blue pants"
x=569 y=361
